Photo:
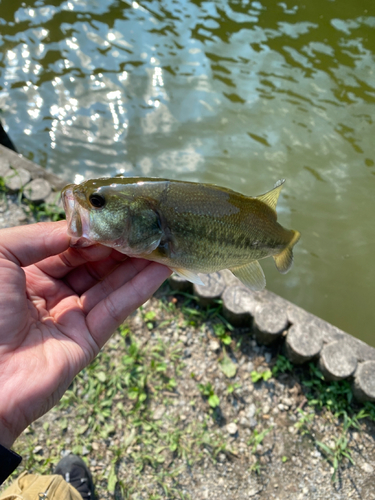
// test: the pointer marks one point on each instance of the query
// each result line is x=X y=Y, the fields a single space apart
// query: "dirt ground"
x=260 y=441
x=179 y=405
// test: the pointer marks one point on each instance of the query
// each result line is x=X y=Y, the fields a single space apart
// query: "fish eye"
x=97 y=200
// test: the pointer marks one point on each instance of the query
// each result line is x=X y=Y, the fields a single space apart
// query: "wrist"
x=7 y=435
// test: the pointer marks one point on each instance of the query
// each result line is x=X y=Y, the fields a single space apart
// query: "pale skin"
x=58 y=307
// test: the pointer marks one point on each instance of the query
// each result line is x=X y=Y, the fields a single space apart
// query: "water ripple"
x=238 y=93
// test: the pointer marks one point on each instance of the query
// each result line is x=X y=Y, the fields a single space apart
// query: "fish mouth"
x=77 y=218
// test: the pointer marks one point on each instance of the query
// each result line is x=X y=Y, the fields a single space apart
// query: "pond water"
x=236 y=93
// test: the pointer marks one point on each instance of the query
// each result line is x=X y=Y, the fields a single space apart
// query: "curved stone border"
x=364 y=382
x=307 y=337
x=272 y=318
x=36 y=183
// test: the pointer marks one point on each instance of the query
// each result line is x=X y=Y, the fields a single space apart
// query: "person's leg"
x=71 y=480
x=75 y=472
x=38 y=487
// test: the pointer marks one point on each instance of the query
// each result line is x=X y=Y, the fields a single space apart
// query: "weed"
x=255 y=441
x=195 y=315
x=208 y=391
x=282 y=365
x=111 y=405
x=334 y=396
x=304 y=422
x=221 y=333
x=257 y=376
x=232 y=387
x=227 y=366
x=149 y=318
x=257 y=438
x=339 y=449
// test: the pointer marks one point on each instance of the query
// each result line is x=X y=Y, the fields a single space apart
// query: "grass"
x=208 y=392
x=257 y=376
x=121 y=407
x=334 y=400
x=254 y=442
x=122 y=395
x=339 y=449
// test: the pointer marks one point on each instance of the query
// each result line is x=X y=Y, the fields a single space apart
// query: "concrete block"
x=364 y=382
x=270 y=321
x=303 y=342
x=239 y=305
x=337 y=361
x=16 y=179
x=213 y=289
x=37 y=190
x=180 y=284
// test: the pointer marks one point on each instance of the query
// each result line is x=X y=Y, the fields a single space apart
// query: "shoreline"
x=235 y=404
x=307 y=338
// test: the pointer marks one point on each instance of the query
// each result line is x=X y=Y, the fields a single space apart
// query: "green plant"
x=208 y=391
x=232 y=387
x=149 y=318
x=304 y=421
x=257 y=438
x=282 y=365
x=334 y=396
x=227 y=366
x=257 y=376
x=221 y=333
x=339 y=449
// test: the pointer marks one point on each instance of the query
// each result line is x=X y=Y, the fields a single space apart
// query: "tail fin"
x=284 y=260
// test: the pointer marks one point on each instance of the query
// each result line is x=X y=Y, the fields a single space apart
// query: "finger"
x=119 y=277
x=112 y=311
x=60 y=265
x=85 y=277
x=25 y=245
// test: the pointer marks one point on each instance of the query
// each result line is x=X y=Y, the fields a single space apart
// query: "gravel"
x=285 y=464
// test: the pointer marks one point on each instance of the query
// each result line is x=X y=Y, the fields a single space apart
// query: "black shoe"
x=75 y=472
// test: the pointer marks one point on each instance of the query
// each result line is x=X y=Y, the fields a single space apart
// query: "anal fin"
x=251 y=275
x=191 y=276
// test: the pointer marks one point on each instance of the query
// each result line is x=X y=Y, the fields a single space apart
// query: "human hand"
x=58 y=307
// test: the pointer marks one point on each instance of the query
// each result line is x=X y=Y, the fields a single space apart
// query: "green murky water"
x=236 y=93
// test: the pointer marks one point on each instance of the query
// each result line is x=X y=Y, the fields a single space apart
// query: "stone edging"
x=306 y=337
x=272 y=318
x=36 y=183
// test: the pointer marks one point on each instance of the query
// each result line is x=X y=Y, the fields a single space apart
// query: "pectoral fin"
x=251 y=275
x=188 y=275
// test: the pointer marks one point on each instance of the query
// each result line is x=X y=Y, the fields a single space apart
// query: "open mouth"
x=77 y=219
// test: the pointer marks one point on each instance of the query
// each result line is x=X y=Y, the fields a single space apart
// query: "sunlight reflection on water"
x=238 y=94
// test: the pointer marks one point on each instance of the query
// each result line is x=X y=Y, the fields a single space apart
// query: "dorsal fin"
x=272 y=196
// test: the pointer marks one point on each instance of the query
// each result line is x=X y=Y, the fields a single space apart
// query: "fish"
x=192 y=228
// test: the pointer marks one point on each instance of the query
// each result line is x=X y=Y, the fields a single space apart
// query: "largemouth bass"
x=191 y=228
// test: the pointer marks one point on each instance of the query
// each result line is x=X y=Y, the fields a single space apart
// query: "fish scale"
x=190 y=227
